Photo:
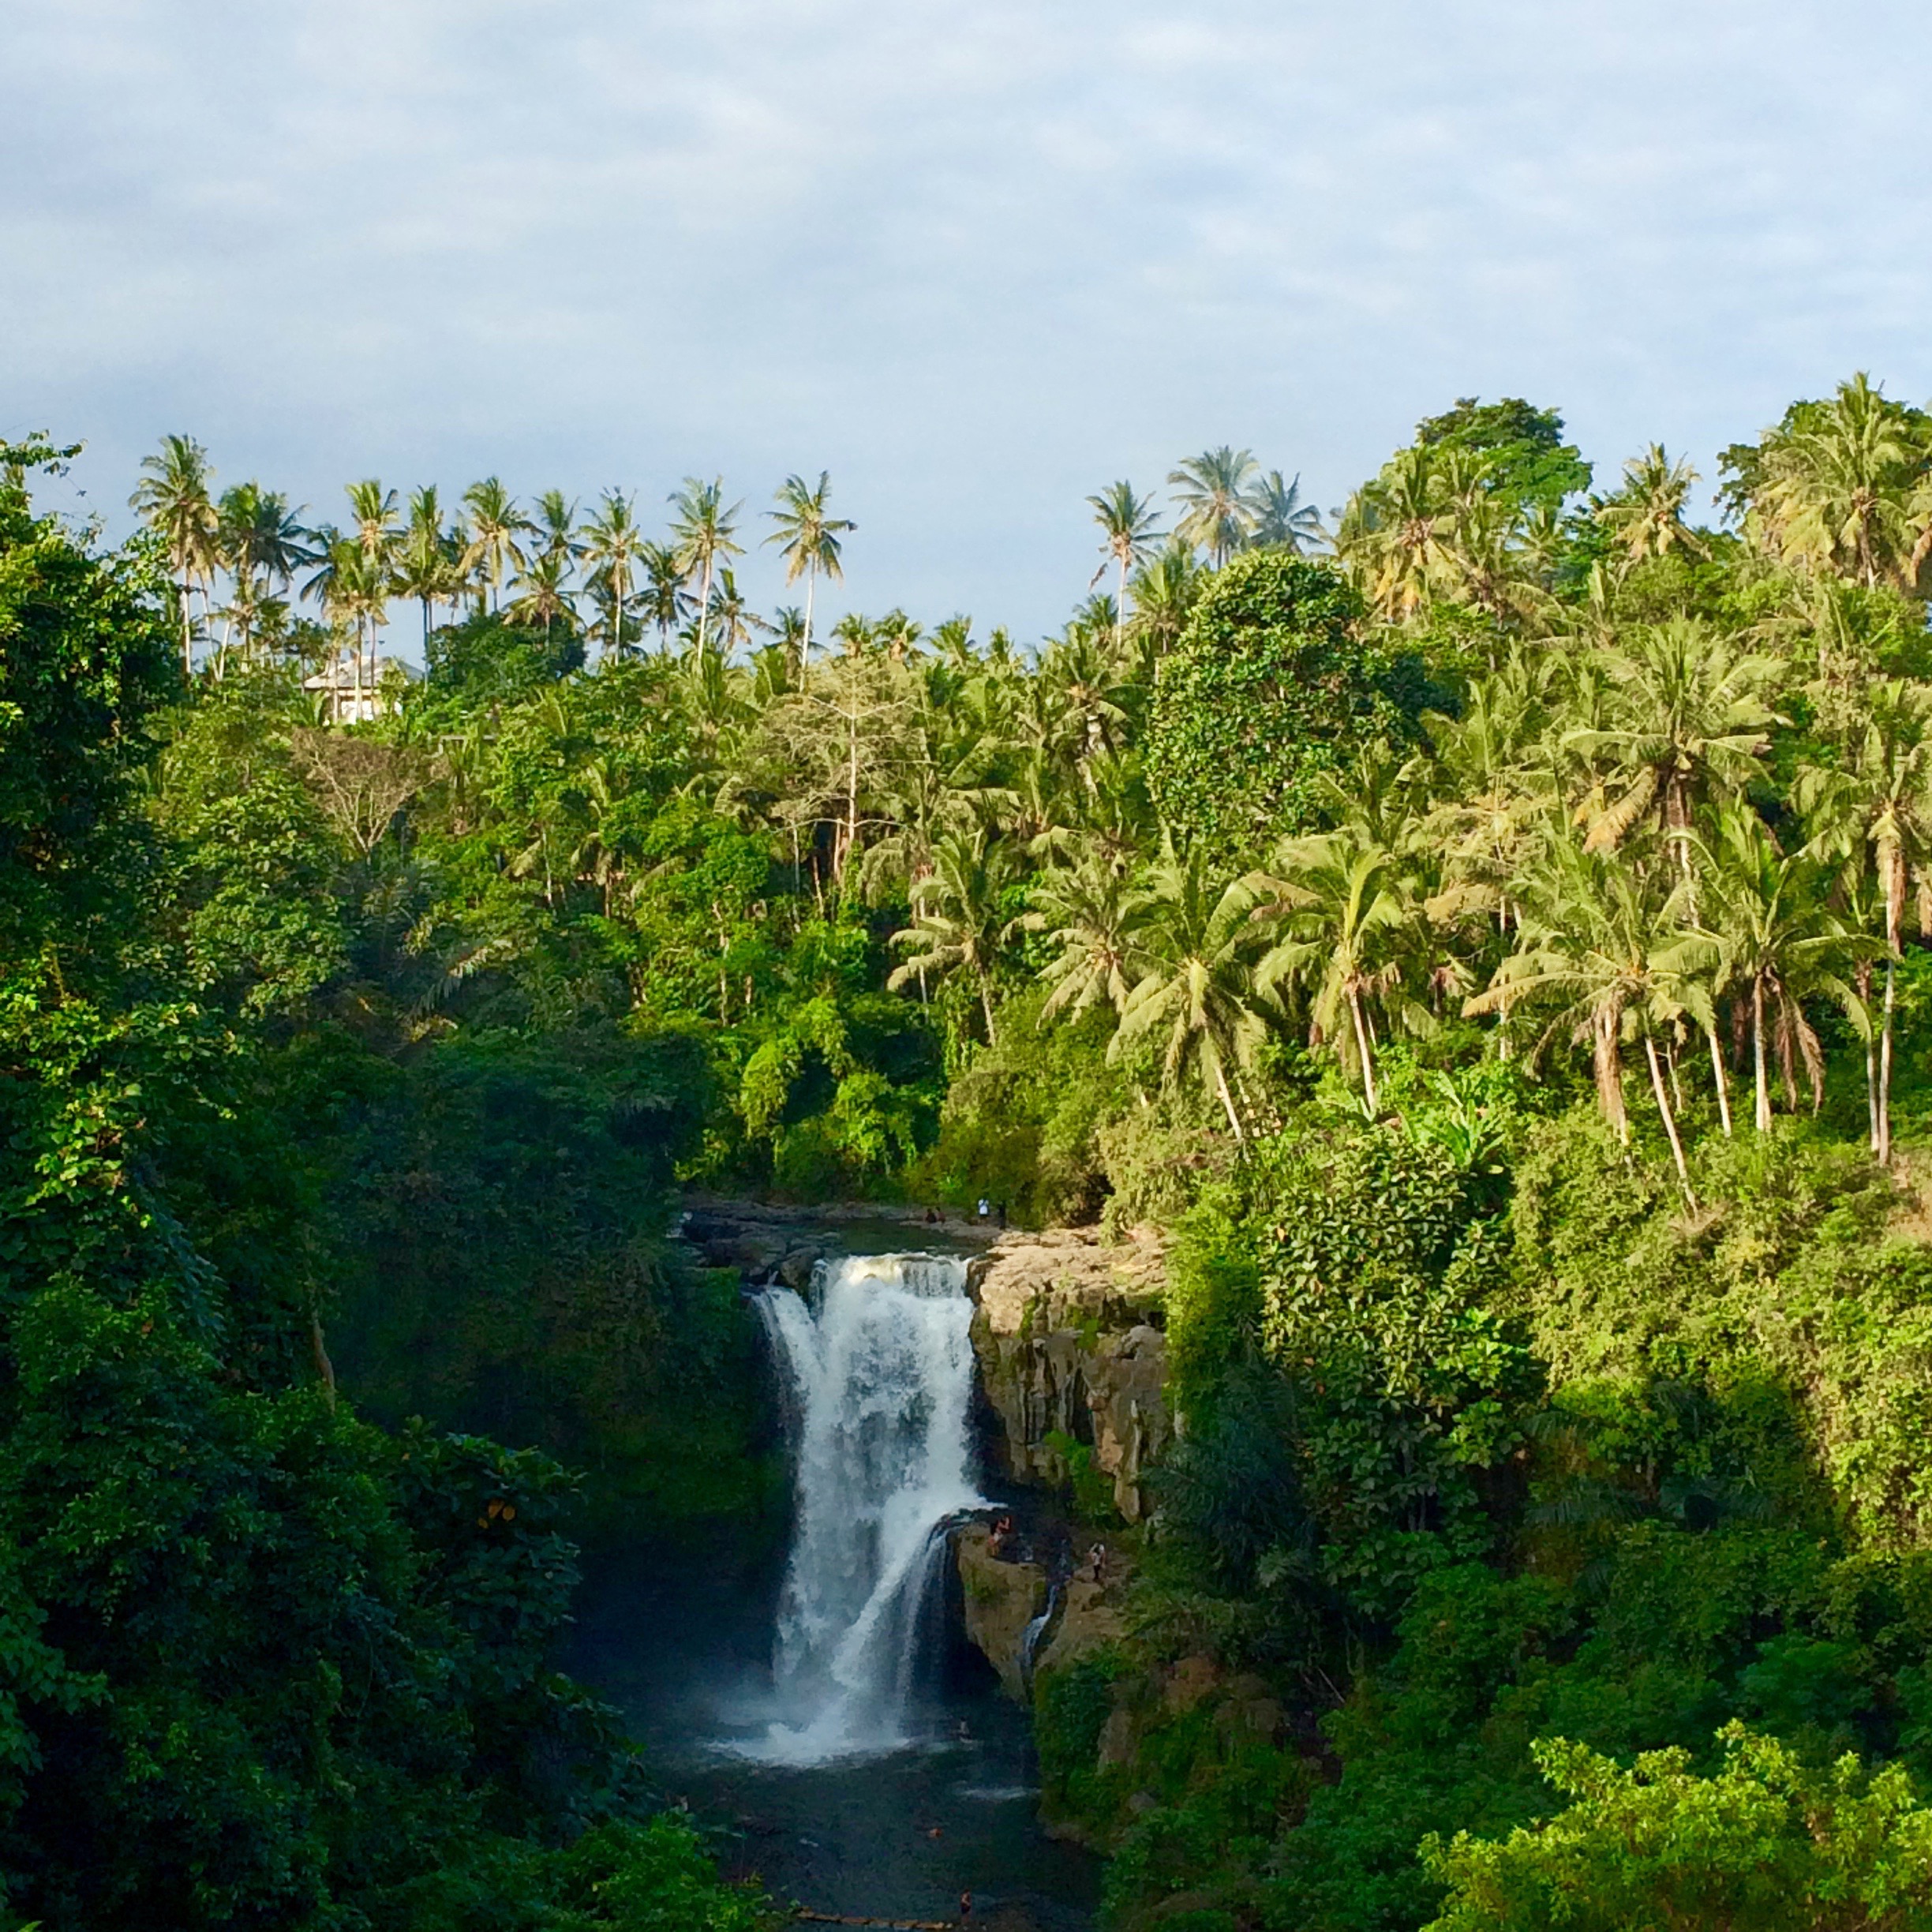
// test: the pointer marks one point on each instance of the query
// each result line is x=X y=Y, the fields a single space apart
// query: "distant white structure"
x=351 y=700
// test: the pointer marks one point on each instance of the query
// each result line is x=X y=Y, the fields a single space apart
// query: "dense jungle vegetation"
x=1488 y=933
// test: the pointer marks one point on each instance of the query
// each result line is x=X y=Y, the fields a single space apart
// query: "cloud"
x=974 y=260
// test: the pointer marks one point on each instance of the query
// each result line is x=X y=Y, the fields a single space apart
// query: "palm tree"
x=1883 y=800
x=1393 y=536
x=1092 y=912
x=1766 y=919
x=611 y=546
x=545 y=584
x=808 y=541
x=1347 y=915
x=1163 y=591
x=1687 y=716
x=1837 y=489
x=261 y=541
x=1213 y=489
x=1605 y=941
x=1647 y=515
x=425 y=560
x=666 y=603
x=1198 y=986
x=702 y=532
x=960 y=919
x=173 y=499
x=495 y=526
x=1129 y=526
x=1283 y=521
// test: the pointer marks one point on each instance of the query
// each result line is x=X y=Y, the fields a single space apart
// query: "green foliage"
x=1764 y=1842
x=1527 y=459
x=485 y=659
x=1269 y=687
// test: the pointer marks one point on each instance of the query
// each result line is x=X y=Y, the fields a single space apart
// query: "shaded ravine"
x=829 y=1715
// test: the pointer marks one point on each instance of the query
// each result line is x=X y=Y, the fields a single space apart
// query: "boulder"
x=999 y=1600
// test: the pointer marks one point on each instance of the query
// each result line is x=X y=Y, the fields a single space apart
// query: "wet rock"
x=1069 y=1345
x=998 y=1600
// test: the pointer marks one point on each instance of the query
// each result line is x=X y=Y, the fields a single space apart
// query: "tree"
x=1283 y=521
x=960 y=918
x=611 y=548
x=1214 y=492
x=1092 y=912
x=1198 y=986
x=496 y=528
x=1340 y=902
x=1775 y=939
x=1882 y=800
x=702 y=534
x=425 y=563
x=1269 y=686
x=1646 y=517
x=261 y=542
x=808 y=541
x=173 y=500
x=1129 y=526
x=1838 y=485
x=1766 y=1842
x=1523 y=458
x=666 y=603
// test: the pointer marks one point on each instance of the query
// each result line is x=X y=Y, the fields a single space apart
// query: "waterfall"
x=881 y=1376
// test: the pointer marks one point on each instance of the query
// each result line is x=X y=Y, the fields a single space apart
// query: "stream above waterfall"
x=822 y=1708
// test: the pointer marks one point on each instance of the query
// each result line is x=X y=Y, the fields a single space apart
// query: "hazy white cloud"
x=976 y=260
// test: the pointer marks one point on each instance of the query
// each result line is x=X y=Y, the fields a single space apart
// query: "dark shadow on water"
x=682 y=1655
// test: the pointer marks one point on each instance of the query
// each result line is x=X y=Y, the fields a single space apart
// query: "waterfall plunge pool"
x=828 y=1712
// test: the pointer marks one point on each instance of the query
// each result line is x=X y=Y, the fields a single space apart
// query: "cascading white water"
x=881 y=1374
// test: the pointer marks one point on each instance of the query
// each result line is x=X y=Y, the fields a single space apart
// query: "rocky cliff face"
x=1069 y=1346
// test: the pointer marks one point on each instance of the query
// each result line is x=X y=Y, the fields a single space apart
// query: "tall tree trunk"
x=1885 y=1066
x=1757 y=1055
x=1670 y=1119
x=812 y=587
x=1608 y=1068
x=1367 y=1052
x=986 y=1005
x=1227 y=1101
x=1724 y=1085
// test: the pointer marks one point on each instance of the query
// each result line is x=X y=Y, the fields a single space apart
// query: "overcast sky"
x=976 y=259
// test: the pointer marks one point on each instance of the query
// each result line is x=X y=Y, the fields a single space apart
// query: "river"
x=820 y=1709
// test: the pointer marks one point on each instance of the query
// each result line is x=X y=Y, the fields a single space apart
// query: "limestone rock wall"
x=1068 y=1344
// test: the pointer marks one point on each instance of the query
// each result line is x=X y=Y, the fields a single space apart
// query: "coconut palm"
x=1393 y=536
x=1688 y=716
x=701 y=533
x=262 y=543
x=1605 y=946
x=497 y=527
x=960 y=920
x=808 y=541
x=543 y=588
x=1775 y=941
x=1347 y=916
x=1163 y=591
x=1646 y=517
x=1283 y=521
x=1881 y=798
x=1197 y=988
x=172 y=498
x=1838 y=489
x=1214 y=492
x=426 y=561
x=1128 y=524
x=611 y=546
x=1092 y=912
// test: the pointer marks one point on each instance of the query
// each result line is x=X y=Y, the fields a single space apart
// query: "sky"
x=977 y=260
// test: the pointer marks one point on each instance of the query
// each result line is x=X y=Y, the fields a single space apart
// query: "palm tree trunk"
x=1367 y=1052
x=1227 y=1101
x=1885 y=1067
x=811 y=587
x=1670 y=1119
x=1609 y=1072
x=704 y=609
x=1757 y=1055
x=986 y=1007
x=1724 y=1085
